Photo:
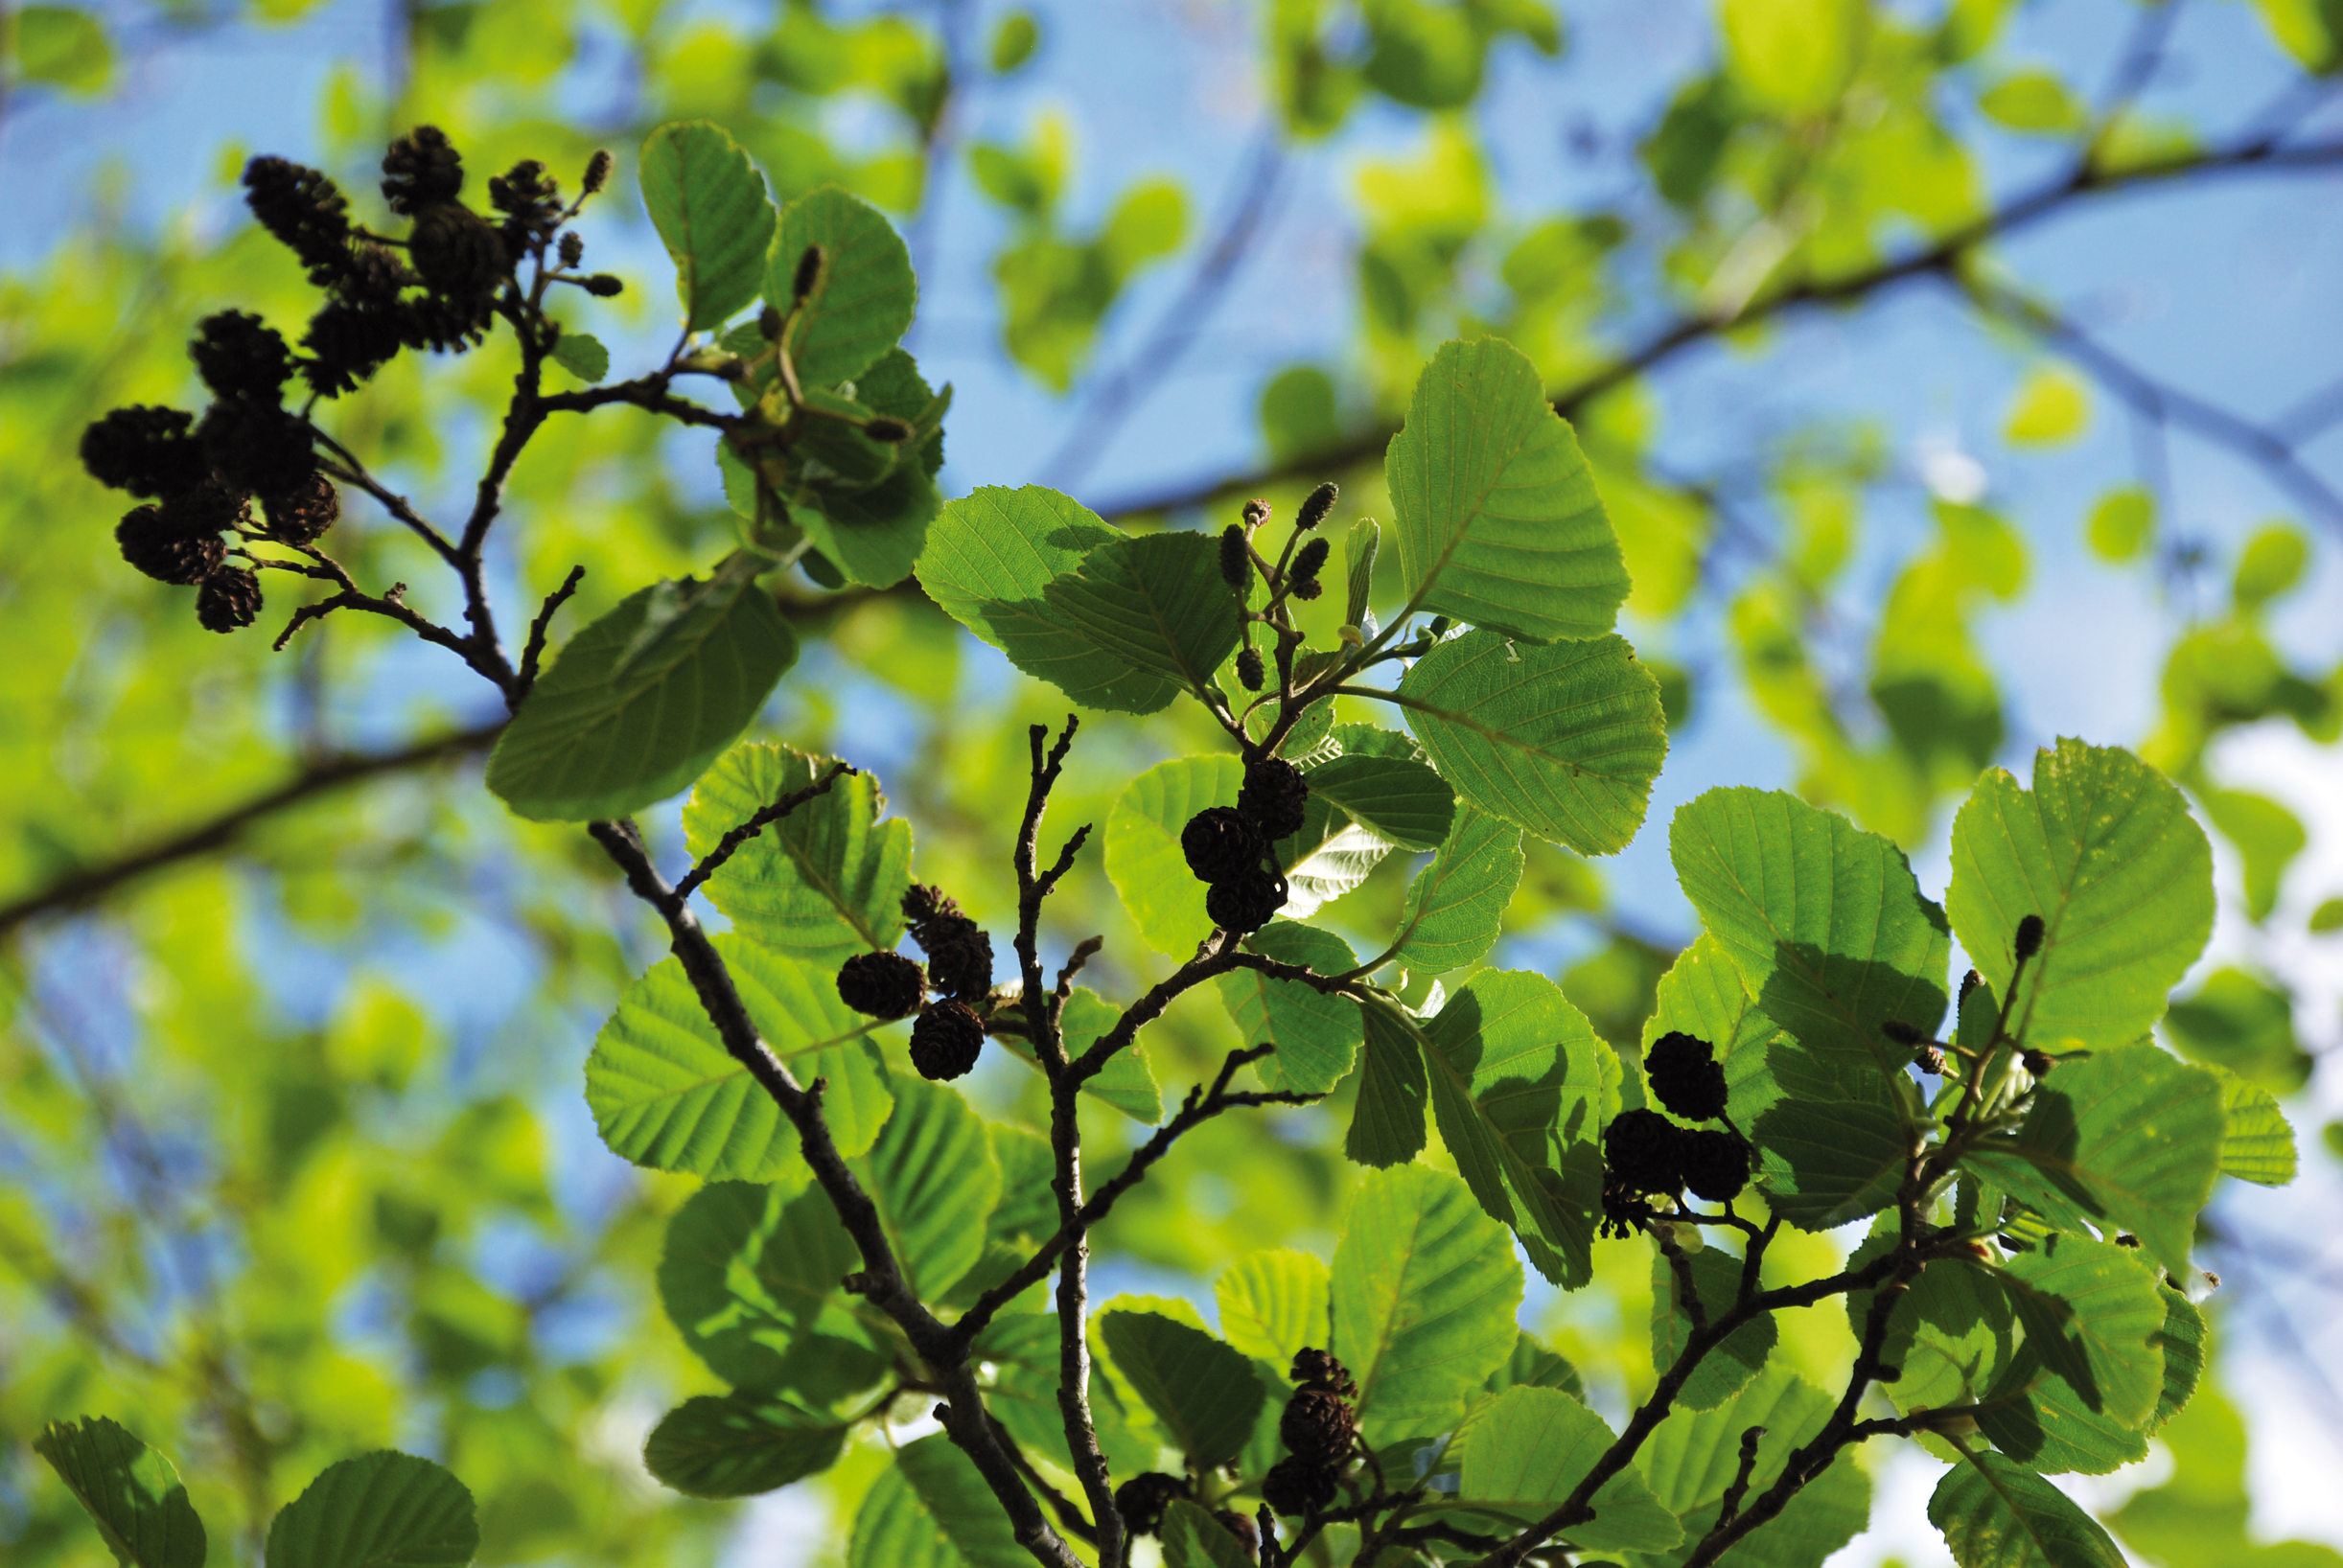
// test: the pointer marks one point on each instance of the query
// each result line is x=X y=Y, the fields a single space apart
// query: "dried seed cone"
x=1716 y=1164
x=961 y=964
x=1246 y=903
x=1644 y=1151
x=257 y=447
x=946 y=1040
x=1272 y=797
x=301 y=516
x=1233 y=555
x=456 y=251
x=229 y=599
x=305 y=211
x=238 y=355
x=421 y=168
x=349 y=342
x=162 y=551
x=145 y=451
x=1320 y=1428
x=1220 y=845
x=1249 y=671
x=882 y=984
x=1687 y=1075
x=1143 y=1498
x=1294 y=1487
x=1317 y=1368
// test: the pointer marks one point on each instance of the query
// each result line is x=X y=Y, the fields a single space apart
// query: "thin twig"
x=731 y=842
x=535 y=649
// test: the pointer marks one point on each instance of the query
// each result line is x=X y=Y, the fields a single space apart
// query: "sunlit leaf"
x=735 y=1446
x=132 y=1493
x=709 y=206
x=865 y=297
x=382 y=1510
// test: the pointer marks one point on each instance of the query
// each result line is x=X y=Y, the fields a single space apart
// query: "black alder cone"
x=1644 y=1150
x=1319 y=1427
x=1294 y=1487
x=946 y=1040
x=958 y=952
x=301 y=516
x=884 y=985
x=229 y=599
x=145 y=451
x=257 y=446
x=240 y=356
x=348 y=343
x=421 y=169
x=1143 y=1498
x=1716 y=1164
x=1272 y=797
x=1315 y=507
x=154 y=547
x=1687 y=1075
x=1306 y=565
x=1220 y=845
x=1317 y=1368
x=456 y=251
x=305 y=211
x=2029 y=937
x=1246 y=903
x=1233 y=555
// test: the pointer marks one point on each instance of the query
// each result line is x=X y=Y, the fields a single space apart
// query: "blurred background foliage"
x=1958 y=373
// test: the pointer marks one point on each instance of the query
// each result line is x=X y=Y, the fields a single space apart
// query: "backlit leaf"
x=1456 y=905
x=734 y=1447
x=132 y=1493
x=1274 y=1302
x=1996 y=1513
x=932 y=1176
x=382 y=1510
x=1202 y=1390
x=708 y=203
x=1317 y=1035
x=867 y=294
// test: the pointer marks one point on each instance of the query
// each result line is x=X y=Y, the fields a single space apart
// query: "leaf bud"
x=1970 y=981
x=1232 y=554
x=573 y=249
x=1307 y=561
x=598 y=171
x=229 y=599
x=808 y=274
x=2030 y=937
x=892 y=431
x=769 y=323
x=604 y=286
x=1319 y=502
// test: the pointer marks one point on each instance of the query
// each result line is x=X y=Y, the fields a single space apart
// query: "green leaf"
x=2259 y=1146
x=2053 y=407
x=2123 y=523
x=2034 y=101
x=1315 y=1036
x=1952 y=1332
x=2181 y=1342
x=1274 y=1302
x=2126 y=1136
x=2102 y=848
x=2092 y=1314
x=1833 y=1148
x=63 y=47
x=1532 y=1447
x=1203 y=1391
x=1144 y=859
x=2271 y=562
x=382 y=1510
x=750 y=1278
x=582 y=354
x=1456 y=906
x=1562 y=740
x=1826 y=1514
x=666 y=1093
x=2034 y=1415
x=644 y=700
x=2267 y=837
x=820 y=884
x=1360 y=548
x=1996 y=1513
x=1535 y=1365
x=1193 y=1538
x=1691 y=1459
x=1519 y=1078
x=1425 y=1288
x=709 y=206
x=1397 y=799
x=1387 y=1120
x=1014 y=38
x=731 y=1446
x=2241 y=1022
x=867 y=294
x=931 y=1510
x=133 y=1494
x=1157 y=605
x=989 y=562
x=1829 y=931
x=1497 y=519
x=934 y=1179
x=1701 y=995
x=1725 y=1371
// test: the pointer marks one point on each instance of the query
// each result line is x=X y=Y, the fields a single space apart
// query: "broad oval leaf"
x=990 y=557
x=1156 y=604
x=1996 y=1513
x=867 y=295
x=1833 y=1148
x=666 y=1093
x=934 y=1181
x=1497 y=519
x=1425 y=1288
x=2103 y=849
x=708 y=203
x=734 y=1447
x=384 y=1509
x=820 y=884
x=1952 y=1332
x=1829 y=930
x=2092 y=1314
x=1396 y=797
x=1144 y=859
x=1202 y=1391
x=1532 y=1447
x=1315 y=1036
x=1387 y=1118
x=1274 y=1302
x=1691 y=1459
x=2259 y=1144
x=644 y=700
x=931 y=1510
x=1456 y=906
x=132 y=1493
x=1728 y=1368
x=2182 y=1342
x=1564 y=739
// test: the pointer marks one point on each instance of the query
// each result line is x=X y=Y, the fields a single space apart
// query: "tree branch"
x=731 y=842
